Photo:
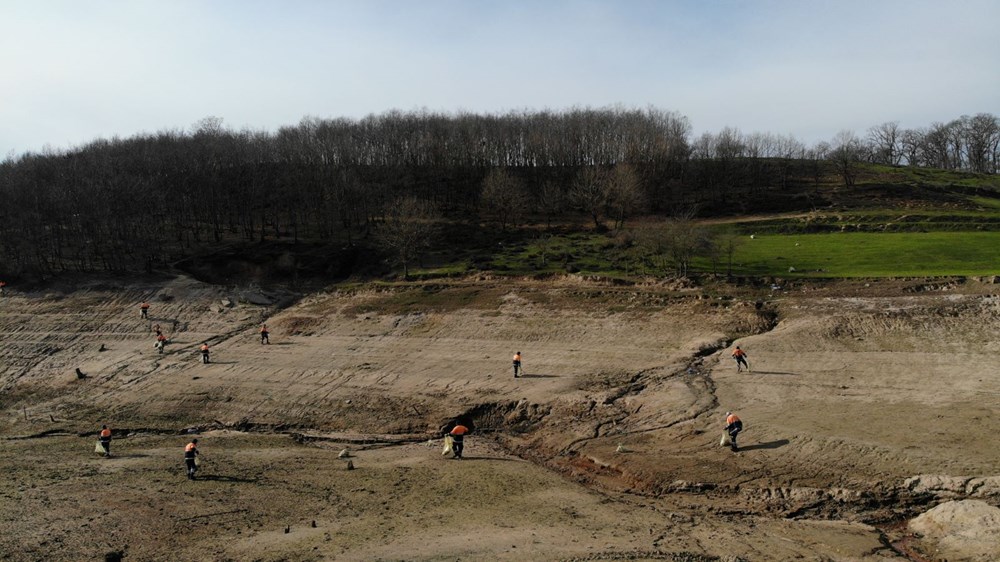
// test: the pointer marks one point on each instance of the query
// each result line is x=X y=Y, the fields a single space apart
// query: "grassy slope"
x=863 y=254
x=894 y=222
x=916 y=222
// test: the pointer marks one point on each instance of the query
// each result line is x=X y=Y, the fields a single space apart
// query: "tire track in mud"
x=44 y=339
x=29 y=352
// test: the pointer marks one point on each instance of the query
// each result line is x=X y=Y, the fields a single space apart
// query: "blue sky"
x=73 y=71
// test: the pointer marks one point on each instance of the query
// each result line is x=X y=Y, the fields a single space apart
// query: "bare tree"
x=589 y=193
x=938 y=147
x=704 y=147
x=846 y=154
x=409 y=227
x=210 y=125
x=551 y=201
x=686 y=240
x=983 y=141
x=624 y=193
x=346 y=196
x=679 y=240
x=729 y=144
x=820 y=151
x=912 y=146
x=504 y=197
x=726 y=245
x=886 y=143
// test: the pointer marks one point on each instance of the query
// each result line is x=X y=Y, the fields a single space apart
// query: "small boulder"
x=961 y=530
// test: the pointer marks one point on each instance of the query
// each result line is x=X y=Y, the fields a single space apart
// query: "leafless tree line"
x=131 y=203
x=967 y=143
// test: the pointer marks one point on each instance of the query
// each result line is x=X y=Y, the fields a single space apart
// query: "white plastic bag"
x=448 y=444
x=725 y=441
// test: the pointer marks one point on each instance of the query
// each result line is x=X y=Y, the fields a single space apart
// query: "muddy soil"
x=867 y=405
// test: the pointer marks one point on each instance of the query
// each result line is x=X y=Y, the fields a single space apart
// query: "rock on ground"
x=962 y=530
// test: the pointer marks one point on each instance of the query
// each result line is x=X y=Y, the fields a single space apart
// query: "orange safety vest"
x=161 y=337
x=144 y=305
x=105 y=433
x=263 y=329
x=459 y=430
x=204 y=349
x=739 y=353
x=190 y=447
x=731 y=419
x=517 y=358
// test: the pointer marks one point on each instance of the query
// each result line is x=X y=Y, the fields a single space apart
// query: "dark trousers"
x=741 y=361
x=734 y=430
x=107 y=446
x=204 y=357
x=457 y=445
x=264 y=338
x=191 y=467
x=517 y=367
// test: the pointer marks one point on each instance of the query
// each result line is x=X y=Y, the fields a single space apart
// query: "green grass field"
x=833 y=255
x=866 y=254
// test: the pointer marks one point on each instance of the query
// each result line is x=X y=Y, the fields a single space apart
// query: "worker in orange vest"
x=517 y=363
x=144 y=310
x=105 y=440
x=741 y=359
x=458 y=436
x=161 y=341
x=204 y=352
x=190 y=453
x=733 y=427
x=264 y=335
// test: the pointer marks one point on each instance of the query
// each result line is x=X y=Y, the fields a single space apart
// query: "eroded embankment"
x=603 y=442
x=607 y=405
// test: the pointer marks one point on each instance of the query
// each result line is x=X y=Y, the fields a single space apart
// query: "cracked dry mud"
x=867 y=406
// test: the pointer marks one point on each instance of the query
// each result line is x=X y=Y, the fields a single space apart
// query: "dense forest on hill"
x=136 y=203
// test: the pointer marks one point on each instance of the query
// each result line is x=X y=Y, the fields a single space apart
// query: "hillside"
x=313 y=224
x=859 y=415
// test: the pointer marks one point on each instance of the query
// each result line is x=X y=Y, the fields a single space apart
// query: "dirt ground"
x=869 y=403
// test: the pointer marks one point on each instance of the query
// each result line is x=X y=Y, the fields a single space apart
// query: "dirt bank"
x=606 y=449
